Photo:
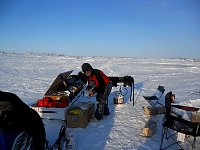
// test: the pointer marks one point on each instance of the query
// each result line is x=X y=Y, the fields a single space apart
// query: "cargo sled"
x=65 y=93
x=66 y=90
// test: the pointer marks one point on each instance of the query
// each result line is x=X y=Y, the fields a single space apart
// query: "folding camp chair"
x=174 y=125
x=154 y=100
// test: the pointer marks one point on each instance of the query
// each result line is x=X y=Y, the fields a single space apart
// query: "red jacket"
x=98 y=80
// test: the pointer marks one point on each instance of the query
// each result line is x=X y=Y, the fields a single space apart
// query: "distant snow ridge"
x=64 y=55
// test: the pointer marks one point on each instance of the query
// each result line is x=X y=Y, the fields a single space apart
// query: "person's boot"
x=97 y=115
x=106 y=110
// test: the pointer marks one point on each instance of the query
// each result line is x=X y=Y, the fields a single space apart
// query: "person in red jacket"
x=98 y=83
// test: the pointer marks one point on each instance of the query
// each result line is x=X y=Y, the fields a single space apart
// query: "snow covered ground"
x=30 y=75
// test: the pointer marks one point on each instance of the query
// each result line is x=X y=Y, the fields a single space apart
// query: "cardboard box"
x=154 y=110
x=79 y=116
x=78 y=121
x=88 y=106
x=196 y=117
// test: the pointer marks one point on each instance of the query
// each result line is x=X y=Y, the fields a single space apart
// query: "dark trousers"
x=102 y=98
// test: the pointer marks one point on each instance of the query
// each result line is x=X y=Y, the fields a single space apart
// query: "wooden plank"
x=150 y=128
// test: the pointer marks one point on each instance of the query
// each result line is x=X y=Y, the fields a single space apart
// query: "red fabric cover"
x=44 y=102
x=47 y=102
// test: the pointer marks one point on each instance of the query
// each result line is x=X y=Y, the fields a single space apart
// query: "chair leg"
x=193 y=143
x=162 y=138
x=167 y=135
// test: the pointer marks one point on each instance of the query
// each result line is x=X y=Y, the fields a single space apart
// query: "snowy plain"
x=29 y=76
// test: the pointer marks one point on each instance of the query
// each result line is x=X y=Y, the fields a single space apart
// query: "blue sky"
x=137 y=28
